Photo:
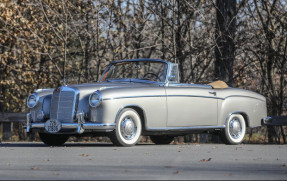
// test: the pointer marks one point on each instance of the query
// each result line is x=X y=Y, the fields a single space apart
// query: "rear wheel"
x=128 y=128
x=53 y=139
x=235 y=130
x=162 y=139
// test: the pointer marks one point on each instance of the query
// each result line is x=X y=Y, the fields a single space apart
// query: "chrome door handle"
x=214 y=93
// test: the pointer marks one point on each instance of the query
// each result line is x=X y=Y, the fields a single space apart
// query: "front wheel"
x=235 y=130
x=53 y=139
x=128 y=128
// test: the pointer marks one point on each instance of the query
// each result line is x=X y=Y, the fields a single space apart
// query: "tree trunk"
x=224 y=34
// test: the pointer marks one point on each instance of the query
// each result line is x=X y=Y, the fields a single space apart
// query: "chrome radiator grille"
x=63 y=105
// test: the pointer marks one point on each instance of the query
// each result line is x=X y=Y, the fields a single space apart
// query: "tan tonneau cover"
x=218 y=85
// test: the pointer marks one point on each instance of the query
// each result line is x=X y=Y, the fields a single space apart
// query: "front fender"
x=44 y=102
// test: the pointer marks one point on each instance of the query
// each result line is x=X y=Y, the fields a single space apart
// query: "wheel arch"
x=245 y=116
x=139 y=110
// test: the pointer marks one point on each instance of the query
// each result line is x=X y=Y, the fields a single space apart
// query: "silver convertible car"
x=143 y=97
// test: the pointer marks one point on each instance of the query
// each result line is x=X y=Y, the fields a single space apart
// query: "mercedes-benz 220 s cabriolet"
x=143 y=97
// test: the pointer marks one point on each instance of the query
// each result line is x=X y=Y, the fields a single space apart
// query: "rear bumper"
x=275 y=121
x=78 y=127
x=266 y=121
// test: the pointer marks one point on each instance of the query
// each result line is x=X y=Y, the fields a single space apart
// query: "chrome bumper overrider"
x=80 y=126
x=266 y=120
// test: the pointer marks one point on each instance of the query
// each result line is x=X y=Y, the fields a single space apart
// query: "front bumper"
x=79 y=127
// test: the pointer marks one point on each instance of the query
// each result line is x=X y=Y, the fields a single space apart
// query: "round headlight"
x=32 y=100
x=95 y=99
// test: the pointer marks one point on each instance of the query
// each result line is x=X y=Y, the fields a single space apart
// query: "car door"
x=191 y=106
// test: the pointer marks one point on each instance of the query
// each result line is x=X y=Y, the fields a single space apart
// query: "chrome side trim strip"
x=243 y=96
x=130 y=97
x=186 y=128
x=211 y=97
x=111 y=126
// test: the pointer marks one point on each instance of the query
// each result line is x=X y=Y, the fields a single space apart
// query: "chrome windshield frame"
x=138 y=80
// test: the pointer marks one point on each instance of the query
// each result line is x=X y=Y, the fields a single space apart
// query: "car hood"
x=108 y=85
x=88 y=88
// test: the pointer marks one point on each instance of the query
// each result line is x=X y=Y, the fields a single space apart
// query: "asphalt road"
x=83 y=161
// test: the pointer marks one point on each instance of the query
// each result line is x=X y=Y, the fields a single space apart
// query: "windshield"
x=144 y=70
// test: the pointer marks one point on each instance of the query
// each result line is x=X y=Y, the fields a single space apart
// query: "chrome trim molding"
x=243 y=96
x=130 y=97
x=189 y=85
x=37 y=125
x=138 y=60
x=81 y=121
x=186 y=128
x=211 y=97
x=144 y=96
x=95 y=126
x=28 y=123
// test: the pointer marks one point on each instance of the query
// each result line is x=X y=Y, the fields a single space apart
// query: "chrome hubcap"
x=128 y=128
x=235 y=128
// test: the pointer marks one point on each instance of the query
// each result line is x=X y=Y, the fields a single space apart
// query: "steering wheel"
x=152 y=74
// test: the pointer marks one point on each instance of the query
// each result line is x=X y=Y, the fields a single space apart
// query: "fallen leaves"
x=168 y=166
x=204 y=160
x=56 y=173
x=176 y=172
x=47 y=160
x=35 y=168
x=84 y=155
x=238 y=148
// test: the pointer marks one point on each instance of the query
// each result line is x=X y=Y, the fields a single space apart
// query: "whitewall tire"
x=235 y=130
x=128 y=128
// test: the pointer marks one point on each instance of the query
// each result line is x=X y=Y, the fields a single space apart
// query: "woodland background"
x=243 y=42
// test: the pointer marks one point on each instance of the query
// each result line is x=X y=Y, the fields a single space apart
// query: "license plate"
x=53 y=126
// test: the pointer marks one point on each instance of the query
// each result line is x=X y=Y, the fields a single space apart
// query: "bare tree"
x=224 y=35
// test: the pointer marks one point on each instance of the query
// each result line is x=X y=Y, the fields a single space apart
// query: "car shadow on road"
x=39 y=144
x=69 y=144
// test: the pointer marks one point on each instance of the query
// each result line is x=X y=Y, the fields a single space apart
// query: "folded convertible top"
x=218 y=85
